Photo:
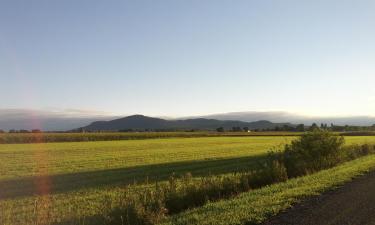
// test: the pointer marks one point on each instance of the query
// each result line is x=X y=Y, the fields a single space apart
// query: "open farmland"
x=18 y=138
x=56 y=182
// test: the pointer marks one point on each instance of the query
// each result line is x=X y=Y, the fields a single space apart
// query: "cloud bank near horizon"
x=49 y=120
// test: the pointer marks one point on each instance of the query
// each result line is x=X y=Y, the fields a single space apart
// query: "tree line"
x=303 y=128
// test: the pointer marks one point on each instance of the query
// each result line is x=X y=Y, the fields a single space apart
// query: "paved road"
x=353 y=204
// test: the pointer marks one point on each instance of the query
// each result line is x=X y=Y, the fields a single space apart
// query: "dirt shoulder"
x=353 y=203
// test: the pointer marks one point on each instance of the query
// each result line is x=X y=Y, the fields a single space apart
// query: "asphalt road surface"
x=353 y=203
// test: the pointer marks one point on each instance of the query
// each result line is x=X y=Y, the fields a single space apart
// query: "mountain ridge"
x=141 y=122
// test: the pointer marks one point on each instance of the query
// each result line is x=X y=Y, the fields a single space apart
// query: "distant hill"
x=281 y=117
x=64 y=120
x=140 y=122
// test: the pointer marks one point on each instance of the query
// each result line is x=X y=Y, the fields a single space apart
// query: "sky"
x=188 y=57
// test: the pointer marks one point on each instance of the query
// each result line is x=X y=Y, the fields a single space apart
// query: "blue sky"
x=180 y=57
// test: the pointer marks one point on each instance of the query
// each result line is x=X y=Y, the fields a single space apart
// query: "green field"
x=79 y=179
x=18 y=138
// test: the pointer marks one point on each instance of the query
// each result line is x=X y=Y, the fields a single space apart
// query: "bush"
x=312 y=152
x=355 y=151
x=139 y=208
x=272 y=170
x=187 y=193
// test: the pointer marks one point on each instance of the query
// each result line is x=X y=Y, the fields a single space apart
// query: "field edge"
x=256 y=206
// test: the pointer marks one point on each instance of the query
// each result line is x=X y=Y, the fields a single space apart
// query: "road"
x=351 y=204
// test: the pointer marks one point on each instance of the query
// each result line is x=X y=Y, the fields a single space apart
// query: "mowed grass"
x=14 y=138
x=80 y=179
x=23 y=160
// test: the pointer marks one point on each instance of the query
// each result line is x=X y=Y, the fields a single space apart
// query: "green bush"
x=355 y=151
x=185 y=193
x=312 y=152
x=140 y=208
x=270 y=171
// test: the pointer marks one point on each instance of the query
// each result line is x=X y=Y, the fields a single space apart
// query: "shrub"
x=272 y=170
x=188 y=193
x=139 y=208
x=355 y=151
x=312 y=152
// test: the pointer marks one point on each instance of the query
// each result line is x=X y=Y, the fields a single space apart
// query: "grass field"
x=77 y=179
x=17 y=138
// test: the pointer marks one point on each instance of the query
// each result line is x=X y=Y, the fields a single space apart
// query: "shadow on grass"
x=39 y=185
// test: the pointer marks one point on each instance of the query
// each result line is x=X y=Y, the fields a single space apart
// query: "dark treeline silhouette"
x=303 y=128
x=22 y=131
x=323 y=126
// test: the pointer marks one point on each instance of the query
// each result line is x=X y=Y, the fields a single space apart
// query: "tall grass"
x=254 y=207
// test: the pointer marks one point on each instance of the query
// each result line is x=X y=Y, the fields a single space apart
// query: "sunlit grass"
x=85 y=177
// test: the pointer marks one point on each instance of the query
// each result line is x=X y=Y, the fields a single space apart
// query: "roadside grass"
x=256 y=206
